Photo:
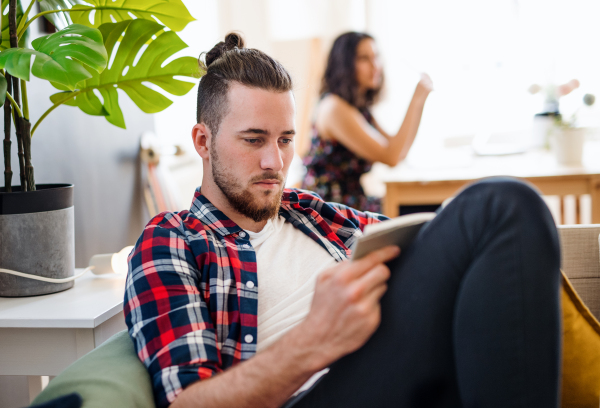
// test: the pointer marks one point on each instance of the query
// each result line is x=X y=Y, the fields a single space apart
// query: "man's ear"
x=202 y=138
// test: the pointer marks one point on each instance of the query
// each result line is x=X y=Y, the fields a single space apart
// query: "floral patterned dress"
x=334 y=173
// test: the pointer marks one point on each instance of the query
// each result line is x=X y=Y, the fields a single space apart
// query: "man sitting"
x=249 y=300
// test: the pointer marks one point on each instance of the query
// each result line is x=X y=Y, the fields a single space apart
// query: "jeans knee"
x=503 y=202
x=504 y=196
x=505 y=190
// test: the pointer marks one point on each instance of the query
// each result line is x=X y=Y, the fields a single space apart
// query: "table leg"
x=84 y=341
x=391 y=205
x=35 y=386
x=595 y=193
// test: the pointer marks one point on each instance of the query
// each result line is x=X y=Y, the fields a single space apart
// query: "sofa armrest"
x=109 y=376
x=581 y=262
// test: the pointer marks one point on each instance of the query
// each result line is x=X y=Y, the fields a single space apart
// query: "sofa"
x=112 y=376
x=581 y=262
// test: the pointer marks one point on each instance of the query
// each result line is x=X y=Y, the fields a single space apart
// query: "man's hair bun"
x=230 y=62
x=232 y=40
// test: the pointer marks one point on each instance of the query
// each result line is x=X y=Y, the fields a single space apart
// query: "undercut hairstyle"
x=340 y=73
x=228 y=62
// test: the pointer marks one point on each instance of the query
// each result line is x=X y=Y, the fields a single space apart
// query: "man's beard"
x=242 y=199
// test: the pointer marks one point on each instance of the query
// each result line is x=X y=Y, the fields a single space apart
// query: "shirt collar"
x=211 y=216
x=216 y=220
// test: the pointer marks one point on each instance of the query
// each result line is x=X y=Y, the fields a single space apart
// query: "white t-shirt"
x=288 y=263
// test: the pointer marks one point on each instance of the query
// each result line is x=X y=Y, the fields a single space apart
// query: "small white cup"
x=567 y=145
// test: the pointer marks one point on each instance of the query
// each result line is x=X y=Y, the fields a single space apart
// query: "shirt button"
x=245 y=246
x=242 y=234
x=250 y=284
x=248 y=338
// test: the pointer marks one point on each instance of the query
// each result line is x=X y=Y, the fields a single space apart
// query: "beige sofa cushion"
x=581 y=262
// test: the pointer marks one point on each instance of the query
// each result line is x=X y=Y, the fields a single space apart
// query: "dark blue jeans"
x=471 y=317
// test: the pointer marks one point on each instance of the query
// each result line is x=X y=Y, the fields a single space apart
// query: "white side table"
x=42 y=335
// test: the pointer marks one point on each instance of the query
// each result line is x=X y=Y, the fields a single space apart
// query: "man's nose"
x=271 y=158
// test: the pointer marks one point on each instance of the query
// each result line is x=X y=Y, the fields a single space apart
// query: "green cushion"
x=109 y=376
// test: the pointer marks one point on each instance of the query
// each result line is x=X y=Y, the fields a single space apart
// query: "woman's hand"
x=425 y=85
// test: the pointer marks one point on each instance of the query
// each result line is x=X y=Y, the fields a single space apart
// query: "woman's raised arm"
x=339 y=120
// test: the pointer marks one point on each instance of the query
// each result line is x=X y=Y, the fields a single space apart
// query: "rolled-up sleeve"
x=166 y=312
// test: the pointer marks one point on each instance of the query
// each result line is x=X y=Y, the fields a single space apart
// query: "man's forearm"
x=266 y=380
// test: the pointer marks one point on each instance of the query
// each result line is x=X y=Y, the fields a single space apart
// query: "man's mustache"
x=267 y=176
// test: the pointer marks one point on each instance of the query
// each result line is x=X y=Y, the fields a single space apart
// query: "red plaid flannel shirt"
x=189 y=308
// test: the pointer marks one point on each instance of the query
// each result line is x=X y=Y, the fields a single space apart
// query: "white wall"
x=174 y=124
x=482 y=57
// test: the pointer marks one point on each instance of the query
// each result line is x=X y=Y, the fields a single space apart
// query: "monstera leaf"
x=93 y=13
x=59 y=57
x=5 y=30
x=133 y=73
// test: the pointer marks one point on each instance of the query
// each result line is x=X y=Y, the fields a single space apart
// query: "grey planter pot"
x=37 y=236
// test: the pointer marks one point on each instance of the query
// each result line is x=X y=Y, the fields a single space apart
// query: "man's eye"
x=286 y=141
x=253 y=141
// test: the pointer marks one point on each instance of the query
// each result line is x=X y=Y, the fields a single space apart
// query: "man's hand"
x=345 y=311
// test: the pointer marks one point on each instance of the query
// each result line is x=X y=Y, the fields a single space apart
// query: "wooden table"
x=432 y=178
x=42 y=335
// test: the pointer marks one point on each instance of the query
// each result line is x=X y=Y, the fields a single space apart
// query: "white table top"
x=92 y=301
x=461 y=163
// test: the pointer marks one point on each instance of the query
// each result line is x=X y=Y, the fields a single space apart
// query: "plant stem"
x=56 y=105
x=26 y=129
x=16 y=94
x=25 y=100
x=12 y=23
x=7 y=142
x=20 y=153
x=10 y=99
x=14 y=43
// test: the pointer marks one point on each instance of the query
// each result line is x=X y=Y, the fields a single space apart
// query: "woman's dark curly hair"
x=340 y=74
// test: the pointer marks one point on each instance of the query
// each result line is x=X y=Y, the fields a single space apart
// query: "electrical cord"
x=44 y=279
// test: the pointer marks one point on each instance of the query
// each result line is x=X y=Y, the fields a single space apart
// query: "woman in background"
x=347 y=139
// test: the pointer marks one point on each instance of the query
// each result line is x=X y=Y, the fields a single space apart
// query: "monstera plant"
x=101 y=46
